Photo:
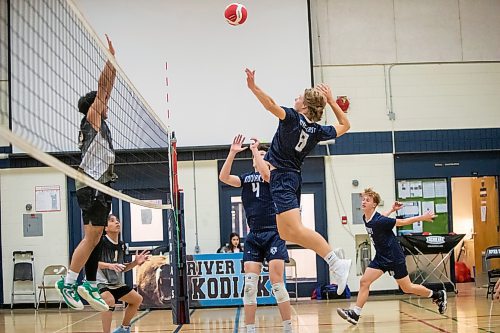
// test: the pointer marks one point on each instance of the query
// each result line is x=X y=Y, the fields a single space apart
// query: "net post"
x=179 y=280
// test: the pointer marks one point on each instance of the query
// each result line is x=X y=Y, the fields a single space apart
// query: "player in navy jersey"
x=389 y=256
x=297 y=134
x=263 y=241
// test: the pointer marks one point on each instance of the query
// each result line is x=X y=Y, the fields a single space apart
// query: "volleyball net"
x=55 y=59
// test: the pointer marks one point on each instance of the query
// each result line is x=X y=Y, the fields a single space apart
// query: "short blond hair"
x=369 y=192
x=315 y=102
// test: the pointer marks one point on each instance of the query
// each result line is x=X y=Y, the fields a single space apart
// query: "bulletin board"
x=420 y=195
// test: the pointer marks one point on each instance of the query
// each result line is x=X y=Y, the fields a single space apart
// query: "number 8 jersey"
x=295 y=137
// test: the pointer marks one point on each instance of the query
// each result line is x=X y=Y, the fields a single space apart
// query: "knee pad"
x=280 y=292
x=251 y=287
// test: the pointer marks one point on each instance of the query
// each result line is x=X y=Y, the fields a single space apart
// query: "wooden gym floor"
x=469 y=312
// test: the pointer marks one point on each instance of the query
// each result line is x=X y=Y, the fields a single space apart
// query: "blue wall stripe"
x=359 y=143
x=447 y=140
x=423 y=141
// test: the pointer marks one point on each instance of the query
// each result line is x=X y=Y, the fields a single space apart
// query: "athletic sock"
x=70 y=277
x=251 y=328
x=331 y=258
x=357 y=310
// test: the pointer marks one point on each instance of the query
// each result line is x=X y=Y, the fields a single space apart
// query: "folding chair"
x=50 y=272
x=292 y=264
x=492 y=252
x=24 y=270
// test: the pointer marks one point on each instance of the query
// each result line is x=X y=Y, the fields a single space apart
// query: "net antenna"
x=55 y=58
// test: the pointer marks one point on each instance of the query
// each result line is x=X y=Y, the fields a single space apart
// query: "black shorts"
x=264 y=244
x=117 y=292
x=286 y=186
x=95 y=206
x=397 y=271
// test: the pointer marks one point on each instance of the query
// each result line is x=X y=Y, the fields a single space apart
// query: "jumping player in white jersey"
x=297 y=134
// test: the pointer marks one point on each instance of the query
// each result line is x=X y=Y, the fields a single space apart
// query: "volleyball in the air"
x=235 y=14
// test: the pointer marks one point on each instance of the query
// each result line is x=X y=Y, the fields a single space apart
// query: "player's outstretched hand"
x=250 y=78
x=117 y=267
x=237 y=144
x=142 y=257
x=428 y=216
x=255 y=144
x=325 y=90
x=110 y=46
x=397 y=205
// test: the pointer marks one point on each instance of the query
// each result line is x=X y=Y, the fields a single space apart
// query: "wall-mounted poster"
x=48 y=198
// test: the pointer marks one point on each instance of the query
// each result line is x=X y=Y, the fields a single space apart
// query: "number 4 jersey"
x=256 y=198
x=295 y=137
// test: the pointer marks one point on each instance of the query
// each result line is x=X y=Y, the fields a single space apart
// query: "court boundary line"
x=76 y=322
x=445 y=316
x=138 y=317
x=298 y=318
x=237 y=320
x=425 y=322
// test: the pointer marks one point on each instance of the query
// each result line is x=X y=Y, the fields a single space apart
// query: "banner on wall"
x=218 y=280
x=213 y=280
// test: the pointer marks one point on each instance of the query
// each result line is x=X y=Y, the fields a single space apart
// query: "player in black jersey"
x=297 y=134
x=109 y=277
x=263 y=240
x=98 y=156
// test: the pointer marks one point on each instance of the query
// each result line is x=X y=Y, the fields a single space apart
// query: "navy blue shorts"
x=398 y=271
x=285 y=188
x=264 y=244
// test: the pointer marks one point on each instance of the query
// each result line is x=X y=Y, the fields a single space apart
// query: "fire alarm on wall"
x=344 y=219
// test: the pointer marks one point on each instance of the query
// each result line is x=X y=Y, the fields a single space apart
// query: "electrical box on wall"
x=32 y=225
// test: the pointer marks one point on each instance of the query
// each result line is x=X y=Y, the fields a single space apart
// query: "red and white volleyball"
x=235 y=14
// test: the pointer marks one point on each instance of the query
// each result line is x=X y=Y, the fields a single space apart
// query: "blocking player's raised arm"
x=105 y=85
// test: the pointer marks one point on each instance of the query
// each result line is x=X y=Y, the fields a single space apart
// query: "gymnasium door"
x=485 y=217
